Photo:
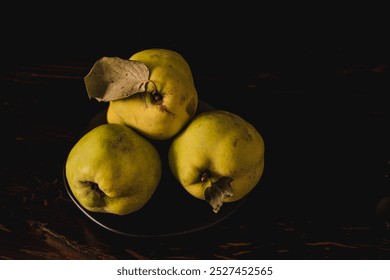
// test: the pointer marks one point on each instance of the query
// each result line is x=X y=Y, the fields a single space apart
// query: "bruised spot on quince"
x=245 y=134
x=191 y=107
x=158 y=100
x=117 y=144
x=164 y=109
x=182 y=99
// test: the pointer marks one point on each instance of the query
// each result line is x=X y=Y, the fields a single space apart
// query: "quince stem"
x=157 y=97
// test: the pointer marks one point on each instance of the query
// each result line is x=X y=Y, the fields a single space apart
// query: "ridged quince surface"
x=113 y=169
x=218 y=157
x=169 y=102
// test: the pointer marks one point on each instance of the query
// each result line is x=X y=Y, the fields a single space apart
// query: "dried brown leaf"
x=112 y=78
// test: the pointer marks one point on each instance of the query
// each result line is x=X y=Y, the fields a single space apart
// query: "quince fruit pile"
x=215 y=155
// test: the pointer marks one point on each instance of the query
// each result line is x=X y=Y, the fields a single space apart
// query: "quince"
x=217 y=157
x=169 y=101
x=113 y=169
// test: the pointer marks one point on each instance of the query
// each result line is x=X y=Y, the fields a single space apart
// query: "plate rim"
x=90 y=215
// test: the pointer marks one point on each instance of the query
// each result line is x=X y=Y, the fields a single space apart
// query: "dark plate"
x=171 y=210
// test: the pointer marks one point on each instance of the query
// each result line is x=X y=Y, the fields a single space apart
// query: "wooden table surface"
x=327 y=166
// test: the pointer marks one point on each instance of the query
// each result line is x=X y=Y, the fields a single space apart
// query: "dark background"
x=238 y=35
x=312 y=79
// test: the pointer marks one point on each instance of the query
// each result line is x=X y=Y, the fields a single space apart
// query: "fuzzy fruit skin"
x=125 y=166
x=171 y=76
x=222 y=143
